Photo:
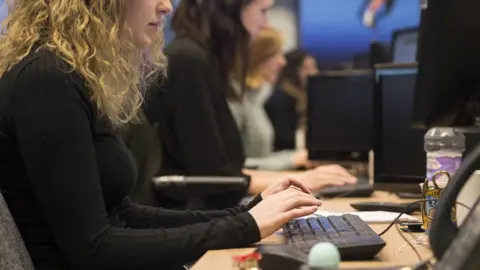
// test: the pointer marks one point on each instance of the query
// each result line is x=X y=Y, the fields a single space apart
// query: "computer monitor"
x=404 y=45
x=339 y=112
x=447 y=94
x=399 y=157
x=448 y=85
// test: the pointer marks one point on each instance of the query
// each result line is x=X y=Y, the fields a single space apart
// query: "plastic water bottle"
x=444 y=148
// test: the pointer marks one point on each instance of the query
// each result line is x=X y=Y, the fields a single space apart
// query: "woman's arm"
x=276 y=161
x=52 y=120
x=146 y=217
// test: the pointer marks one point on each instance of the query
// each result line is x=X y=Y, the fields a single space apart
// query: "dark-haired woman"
x=198 y=132
x=287 y=104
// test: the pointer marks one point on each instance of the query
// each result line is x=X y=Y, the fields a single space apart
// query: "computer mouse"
x=285 y=257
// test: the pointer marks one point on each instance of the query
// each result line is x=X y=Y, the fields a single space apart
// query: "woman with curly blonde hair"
x=72 y=72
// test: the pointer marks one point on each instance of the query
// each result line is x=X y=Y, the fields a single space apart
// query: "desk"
x=392 y=254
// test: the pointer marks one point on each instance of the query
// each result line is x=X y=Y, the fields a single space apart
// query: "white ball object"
x=324 y=255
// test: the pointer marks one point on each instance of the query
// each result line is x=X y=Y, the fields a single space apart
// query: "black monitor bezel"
x=379 y=176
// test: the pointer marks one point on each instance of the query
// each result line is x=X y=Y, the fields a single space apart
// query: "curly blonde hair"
x=93 y=40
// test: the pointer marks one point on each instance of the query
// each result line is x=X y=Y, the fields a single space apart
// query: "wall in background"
x=333 y=30
x=3 y=10
x=169 y=34
x=284 y=17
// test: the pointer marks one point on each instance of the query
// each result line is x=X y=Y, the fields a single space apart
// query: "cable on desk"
x=422 y=264
x=406 y=210
x=408 y=242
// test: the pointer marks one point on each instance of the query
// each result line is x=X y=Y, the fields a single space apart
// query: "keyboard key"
x=309 y=236
x=314 y=224
x=293 y=226
x=356 y=222
x=340 y=224
x=333 y=235
x=303 y=225
x=327 y=226
x=321 y=238
x=297 y=238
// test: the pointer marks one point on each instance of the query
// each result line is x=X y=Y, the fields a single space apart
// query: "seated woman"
x=71 y=75
x=265 y=63
x=287 y=104
x=198 y=132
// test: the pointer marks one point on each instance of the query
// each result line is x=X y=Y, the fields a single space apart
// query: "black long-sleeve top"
x=65 y=176
x=281 y=108
x=198 y=133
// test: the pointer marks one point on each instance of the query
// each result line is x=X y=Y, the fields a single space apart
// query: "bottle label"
x=442 y=161
x=438 y=161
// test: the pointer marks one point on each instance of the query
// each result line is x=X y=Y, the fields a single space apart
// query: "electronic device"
x=386 y=206
x=276 y=257
x=360 y=189
x=339 y=112
x=399 y=148
x=404 y=45
x=352 y=236
x=447 y=95
x=448 y=86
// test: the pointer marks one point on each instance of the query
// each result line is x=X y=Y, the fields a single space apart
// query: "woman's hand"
x=279 y=208
x=285 y=184
x=328 y=175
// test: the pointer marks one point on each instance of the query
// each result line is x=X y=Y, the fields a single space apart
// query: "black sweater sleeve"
x=146 y=217
x=52 y=119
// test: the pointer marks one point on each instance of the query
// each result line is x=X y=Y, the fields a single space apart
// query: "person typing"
x=72 y=75
x=198 y=132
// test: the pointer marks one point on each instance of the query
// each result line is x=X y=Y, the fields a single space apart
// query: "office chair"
x=13 y=254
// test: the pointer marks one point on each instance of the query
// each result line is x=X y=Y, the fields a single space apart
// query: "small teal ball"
x=324 y=255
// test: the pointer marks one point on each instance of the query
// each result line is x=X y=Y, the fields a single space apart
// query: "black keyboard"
x=361 y=189
x=353 y=237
